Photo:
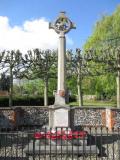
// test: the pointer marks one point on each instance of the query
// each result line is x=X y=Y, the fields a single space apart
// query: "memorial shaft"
x=61 y=63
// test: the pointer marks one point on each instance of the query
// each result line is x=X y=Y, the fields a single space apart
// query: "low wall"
x=24 y=115
x=32 y=115
x=7 y=118
x=87 y=116
x=94 y=116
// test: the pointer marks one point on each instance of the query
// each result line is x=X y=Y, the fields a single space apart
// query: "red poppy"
x=38 y=135
x=79 y=134
x=64 y=135
x=53 y=135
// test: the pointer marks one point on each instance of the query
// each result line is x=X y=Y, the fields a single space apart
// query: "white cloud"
x=32 y=34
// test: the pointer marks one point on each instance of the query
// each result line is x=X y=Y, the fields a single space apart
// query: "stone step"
x=77 y=142
x=50 y=149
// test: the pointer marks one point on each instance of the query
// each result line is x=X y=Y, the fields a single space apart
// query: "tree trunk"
x=118 y=79
x=46 y=92
x=79 y=87
x=118 y=90
x=11 y=88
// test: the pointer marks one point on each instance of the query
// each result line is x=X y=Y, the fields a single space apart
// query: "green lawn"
x=96 y=103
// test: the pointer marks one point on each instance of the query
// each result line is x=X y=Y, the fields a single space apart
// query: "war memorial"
x=59 y=131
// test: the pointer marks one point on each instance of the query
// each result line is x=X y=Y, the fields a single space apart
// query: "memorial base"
x=58 y=150
x=60 y=100
x=60 y=146
x=59 y=116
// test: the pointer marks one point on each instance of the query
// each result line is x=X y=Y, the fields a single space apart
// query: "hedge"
x=29 y=101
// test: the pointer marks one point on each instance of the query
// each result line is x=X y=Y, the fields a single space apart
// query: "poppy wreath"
x=64 y=135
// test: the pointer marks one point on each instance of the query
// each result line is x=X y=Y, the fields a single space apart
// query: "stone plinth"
x=59 y=116
x=59 y=100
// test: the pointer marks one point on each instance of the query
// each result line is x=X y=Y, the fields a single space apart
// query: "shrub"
x=28 y=101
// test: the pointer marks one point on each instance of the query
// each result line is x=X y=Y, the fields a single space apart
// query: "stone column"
x=61 y=63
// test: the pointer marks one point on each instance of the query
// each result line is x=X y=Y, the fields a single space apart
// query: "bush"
x=4 y=101
x=72 y=99
x=28 y=101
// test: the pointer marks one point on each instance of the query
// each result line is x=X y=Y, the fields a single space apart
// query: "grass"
x=96 y=103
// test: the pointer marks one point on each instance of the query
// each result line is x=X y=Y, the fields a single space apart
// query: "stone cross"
x=62 y=25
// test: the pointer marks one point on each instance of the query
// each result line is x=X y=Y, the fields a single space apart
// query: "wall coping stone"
x=71 y=108
x=23 y=107
x=94 y=107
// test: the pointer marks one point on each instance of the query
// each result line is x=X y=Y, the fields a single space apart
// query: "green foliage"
x=29 y=87
x=89 y=85
x=106 y=28
x=72 y=86
x=106 y=34
x=52 y=86
x=104 y=87
x=34 y=87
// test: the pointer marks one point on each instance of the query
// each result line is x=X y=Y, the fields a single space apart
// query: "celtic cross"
x=61 y=25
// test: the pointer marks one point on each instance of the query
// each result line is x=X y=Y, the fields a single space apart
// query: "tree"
x=11 y=62
x=106 y=32
x=76 y=69
x=106 y=36
x=40 y=64
x=4 y=82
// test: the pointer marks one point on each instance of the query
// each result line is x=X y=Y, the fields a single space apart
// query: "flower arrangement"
x=64 y=135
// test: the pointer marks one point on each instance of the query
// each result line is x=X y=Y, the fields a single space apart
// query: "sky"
x=24 y=23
